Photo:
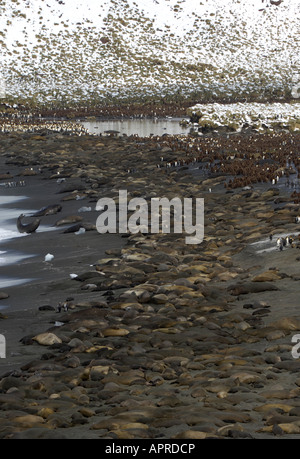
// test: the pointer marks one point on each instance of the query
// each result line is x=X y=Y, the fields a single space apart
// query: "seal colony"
x=160 y=339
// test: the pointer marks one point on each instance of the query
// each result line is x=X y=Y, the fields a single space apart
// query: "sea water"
x=8 y=216
x=8 y=219
x=8 y=231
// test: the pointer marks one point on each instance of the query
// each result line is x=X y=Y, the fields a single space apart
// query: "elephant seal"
x=29 y=227
x=87 y=226
x=48 y=210
x=68 y=220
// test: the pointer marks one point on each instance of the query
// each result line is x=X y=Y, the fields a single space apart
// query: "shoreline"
x=161 y=339
x=49 y=282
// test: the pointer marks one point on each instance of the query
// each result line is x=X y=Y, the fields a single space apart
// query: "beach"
x=153 y=337
x=49 y=283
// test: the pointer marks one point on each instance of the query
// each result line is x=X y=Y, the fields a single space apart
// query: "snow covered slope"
x=77 y=51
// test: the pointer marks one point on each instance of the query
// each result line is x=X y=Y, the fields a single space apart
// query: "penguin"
x=280 y=243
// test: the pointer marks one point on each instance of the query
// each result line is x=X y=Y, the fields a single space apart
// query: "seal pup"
x=29 y=227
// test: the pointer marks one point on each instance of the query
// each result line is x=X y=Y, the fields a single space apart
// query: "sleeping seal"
x=68 y=220
x=49 y=210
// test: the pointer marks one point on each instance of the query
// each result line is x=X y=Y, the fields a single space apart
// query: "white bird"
x=49 y=257
x=73 y=276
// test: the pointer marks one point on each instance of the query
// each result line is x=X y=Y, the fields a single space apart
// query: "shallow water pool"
x=141 y=127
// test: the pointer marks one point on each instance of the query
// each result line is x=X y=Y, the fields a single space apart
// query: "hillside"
x=72 y=52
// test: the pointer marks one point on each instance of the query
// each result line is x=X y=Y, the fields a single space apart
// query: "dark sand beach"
x=49 y=283
x=161 y=339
